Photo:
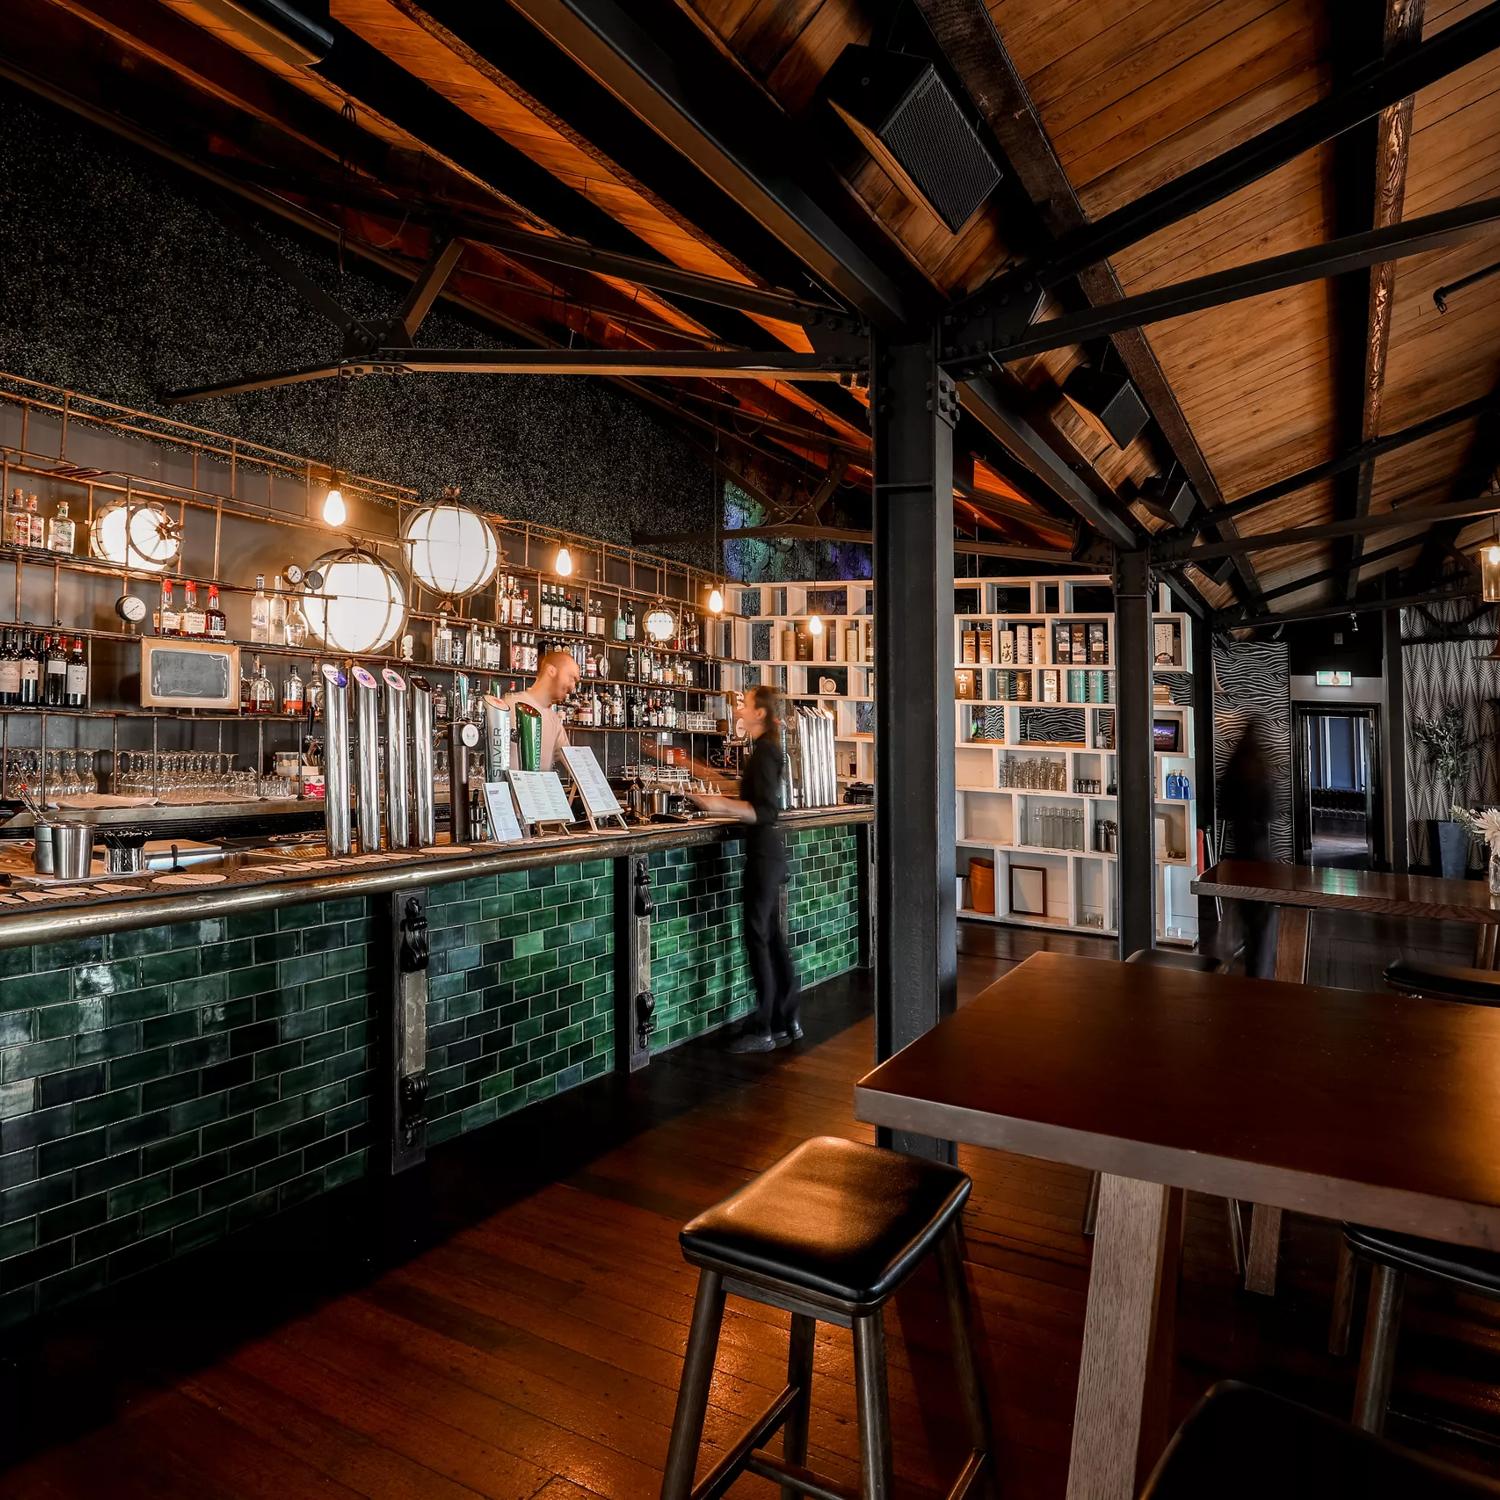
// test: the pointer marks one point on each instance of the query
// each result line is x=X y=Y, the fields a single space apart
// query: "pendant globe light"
x=362 y=605
x=449 y=547
x=135 y=534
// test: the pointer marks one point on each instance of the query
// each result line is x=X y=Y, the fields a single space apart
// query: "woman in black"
x=775 y=1022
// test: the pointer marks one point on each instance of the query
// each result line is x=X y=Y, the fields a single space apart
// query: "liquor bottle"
x=193 y=621
x=169 y=622
x=56 y=678
x=38 y=527
x=620 y=620
x=277 y=612
x=260 y=614
x=442 y=639
x=262 y=696
x=62 y=531
x=10 y=671
x=293 y=698
x=215 y=625
x=31 y=672
x=76 y=685
x=296 y=623
x=17 y=522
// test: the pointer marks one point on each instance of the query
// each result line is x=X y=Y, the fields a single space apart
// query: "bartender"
x=556 y=677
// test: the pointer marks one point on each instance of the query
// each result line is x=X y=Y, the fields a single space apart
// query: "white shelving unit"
x=834 y=669
x=1053 y=713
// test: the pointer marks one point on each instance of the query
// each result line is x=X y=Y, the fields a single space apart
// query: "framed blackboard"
x=189 y=674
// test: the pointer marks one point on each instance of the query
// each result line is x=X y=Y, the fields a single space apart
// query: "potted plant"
x=1483 y=824
x=1450 y=752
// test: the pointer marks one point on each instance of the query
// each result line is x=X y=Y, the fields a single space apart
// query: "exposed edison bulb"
x=715 y=602
x=815 y=625
x=335 y=512
x=1493 y=554
x=563 y=563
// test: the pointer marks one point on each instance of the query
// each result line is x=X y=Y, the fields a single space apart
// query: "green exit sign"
x=1335 y=679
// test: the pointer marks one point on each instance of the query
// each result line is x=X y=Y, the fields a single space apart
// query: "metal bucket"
x=72 y=850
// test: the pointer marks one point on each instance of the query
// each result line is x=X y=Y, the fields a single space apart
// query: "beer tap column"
x=397 y=762
x=336 y=758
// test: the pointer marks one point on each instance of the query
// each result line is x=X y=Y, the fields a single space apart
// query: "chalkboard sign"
x=189 y=674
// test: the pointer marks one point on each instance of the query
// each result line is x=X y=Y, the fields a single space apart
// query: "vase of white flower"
x=1483 y=825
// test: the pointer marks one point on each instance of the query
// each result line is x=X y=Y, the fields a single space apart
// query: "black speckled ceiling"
x=117 y=280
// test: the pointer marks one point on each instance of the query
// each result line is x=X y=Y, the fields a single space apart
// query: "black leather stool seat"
x=1445 y=982
x=1245 y=1444
x=834 y=1219
x=1479 y=1269
x=1177 y=958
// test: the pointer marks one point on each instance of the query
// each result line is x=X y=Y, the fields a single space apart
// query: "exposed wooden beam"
x=968 y=36
x=1388 y=136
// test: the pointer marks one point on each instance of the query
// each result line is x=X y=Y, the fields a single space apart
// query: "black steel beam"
x=998 y=414
x=1354 y=458
x=1364 y=95
x=1177 y=554
x=627 y=363
x=1135 y=771
x=1224 y=619
x=657 y=62
x=915 y=408
x=1393 y=742
x=425 y=290
x=1466 y=590
x=966 y=547
x=1313 y=263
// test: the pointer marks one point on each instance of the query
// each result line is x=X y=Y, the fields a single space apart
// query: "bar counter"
x=178 y=1063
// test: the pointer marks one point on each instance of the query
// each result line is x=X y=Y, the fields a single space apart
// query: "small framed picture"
x=1166 y=735
x=1028 y=891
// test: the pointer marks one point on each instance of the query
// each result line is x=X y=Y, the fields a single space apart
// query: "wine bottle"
x=57 y=672
x=31 y=672
x=76 y=684
x=10 y=671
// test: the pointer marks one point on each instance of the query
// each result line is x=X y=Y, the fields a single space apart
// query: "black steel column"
x=635 y=1005
x=1393 y=743
x=1135 y=768
x=914 y=410
x=1206 y=788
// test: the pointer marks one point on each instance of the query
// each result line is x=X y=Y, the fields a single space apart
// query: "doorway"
x=1336 y=800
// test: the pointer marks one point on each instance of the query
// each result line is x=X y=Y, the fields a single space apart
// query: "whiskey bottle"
x=215 y=625
x=168 y=622
x=193 y=620
x=262 y=698
x=293 y=697
x=76 y=684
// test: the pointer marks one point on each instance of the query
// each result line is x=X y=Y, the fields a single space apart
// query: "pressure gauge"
x=130 y=608
x=293 y=574
x=313 y=579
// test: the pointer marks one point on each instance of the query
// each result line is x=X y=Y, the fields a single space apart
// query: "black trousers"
x=771 y=967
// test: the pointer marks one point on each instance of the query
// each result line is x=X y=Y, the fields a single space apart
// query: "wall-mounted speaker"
x=909 y=121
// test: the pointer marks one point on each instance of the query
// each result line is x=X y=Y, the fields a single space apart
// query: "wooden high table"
x=1297 y=891
x=1374 y=1108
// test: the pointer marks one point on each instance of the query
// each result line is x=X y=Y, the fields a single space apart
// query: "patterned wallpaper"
x=1252 y=678
x=124 y=284
x=1435 y=675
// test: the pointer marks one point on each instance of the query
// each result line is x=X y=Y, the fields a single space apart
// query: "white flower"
x=1481 y=824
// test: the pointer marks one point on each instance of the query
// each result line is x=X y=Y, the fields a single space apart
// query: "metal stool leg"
x=876 y=1478
x=1377 y=1362
x=799 y=1372
x=1236 y=1236
x=971 y=1385
x=1341 y=1318
x=692 y=1395
x=1091 y=1205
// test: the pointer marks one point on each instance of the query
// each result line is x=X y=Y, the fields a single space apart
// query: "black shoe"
x=793 y=1033
x=753 y=1041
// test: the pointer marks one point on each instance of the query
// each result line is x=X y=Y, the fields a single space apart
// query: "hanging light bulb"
x=715 y=601
x=815 y=625
x=335 y=512
x=563 y=564
x=1489 y=567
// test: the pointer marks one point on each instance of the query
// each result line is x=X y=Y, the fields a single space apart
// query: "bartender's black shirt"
x=760 y=786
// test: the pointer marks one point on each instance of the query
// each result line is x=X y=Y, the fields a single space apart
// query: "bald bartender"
x=556 y=677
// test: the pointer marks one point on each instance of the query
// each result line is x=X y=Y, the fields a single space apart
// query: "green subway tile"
x=36 y=1059
x=27 y=991
x=203 y=989
x=163 y=968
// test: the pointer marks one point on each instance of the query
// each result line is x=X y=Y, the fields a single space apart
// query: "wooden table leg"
x=1485 y=948
x=1292 y=927
x=1120 y=1419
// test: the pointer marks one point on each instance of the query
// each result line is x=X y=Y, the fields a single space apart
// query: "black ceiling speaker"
x=1169 y=498
x=1223 y=570
x=1108 y=401
x=296 y=34
x=909 y=121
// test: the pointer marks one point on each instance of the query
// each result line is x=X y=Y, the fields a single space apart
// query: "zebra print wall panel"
x=1436 y=674
x=1252 y=679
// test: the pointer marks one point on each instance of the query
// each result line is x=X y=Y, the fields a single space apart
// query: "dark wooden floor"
x=527 y=1341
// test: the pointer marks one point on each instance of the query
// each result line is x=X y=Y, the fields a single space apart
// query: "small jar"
x=1494 y=872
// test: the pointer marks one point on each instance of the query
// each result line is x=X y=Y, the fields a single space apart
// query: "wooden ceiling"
x=1118 y=99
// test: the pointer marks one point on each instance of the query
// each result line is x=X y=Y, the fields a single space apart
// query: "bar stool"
x=1197 y=963
x=828 y=1234
x=1393 y=1256
x=1241 y=1443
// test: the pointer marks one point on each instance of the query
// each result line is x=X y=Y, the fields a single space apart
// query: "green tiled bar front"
x=162 y=1087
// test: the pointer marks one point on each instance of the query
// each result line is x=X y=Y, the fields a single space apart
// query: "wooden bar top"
x=1371 y=1107
x=1350 y=890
